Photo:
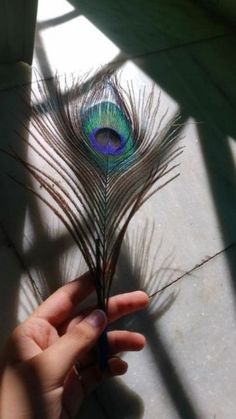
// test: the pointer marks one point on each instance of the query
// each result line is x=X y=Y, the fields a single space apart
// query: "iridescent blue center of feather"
x=106 y=140
x=108 y=135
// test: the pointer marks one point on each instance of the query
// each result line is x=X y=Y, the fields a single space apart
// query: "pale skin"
x=38 y=374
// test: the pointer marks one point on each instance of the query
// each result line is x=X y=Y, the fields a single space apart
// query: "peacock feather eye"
x=108 y=133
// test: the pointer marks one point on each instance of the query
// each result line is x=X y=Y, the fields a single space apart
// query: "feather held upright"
x=105 y=151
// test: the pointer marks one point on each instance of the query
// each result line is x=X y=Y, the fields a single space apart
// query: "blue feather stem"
x=102 y=351
x=102 y=348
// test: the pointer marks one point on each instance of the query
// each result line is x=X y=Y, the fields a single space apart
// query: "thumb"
x=55 y=362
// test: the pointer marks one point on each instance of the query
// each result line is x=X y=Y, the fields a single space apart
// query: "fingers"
x=123 y=340
x=123 y=304
x=80 y=384
x=54 y=364
x=61 y=305
x=118 y=306
x=118 y=341
x=91 y=376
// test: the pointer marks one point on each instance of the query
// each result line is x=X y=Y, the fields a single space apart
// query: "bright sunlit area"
x=68 y=41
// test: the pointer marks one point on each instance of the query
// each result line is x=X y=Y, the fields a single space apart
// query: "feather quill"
x=107 y=153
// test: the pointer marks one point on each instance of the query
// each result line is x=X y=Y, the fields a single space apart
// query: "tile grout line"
x=174 y=47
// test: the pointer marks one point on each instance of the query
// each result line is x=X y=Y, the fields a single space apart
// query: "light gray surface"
x=187 y=369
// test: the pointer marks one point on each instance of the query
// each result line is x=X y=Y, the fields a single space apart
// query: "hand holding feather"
x=38 y=373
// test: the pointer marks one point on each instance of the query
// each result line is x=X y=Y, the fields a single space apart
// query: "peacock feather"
x=106 y=153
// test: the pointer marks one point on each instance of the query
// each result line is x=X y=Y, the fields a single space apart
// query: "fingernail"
x=125 y=366
x=117 y=366
x=96 y=319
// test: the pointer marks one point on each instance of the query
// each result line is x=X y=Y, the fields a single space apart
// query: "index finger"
x=61 y=304
x=118 y=306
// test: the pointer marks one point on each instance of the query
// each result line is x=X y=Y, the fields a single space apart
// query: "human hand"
x=38 y=377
